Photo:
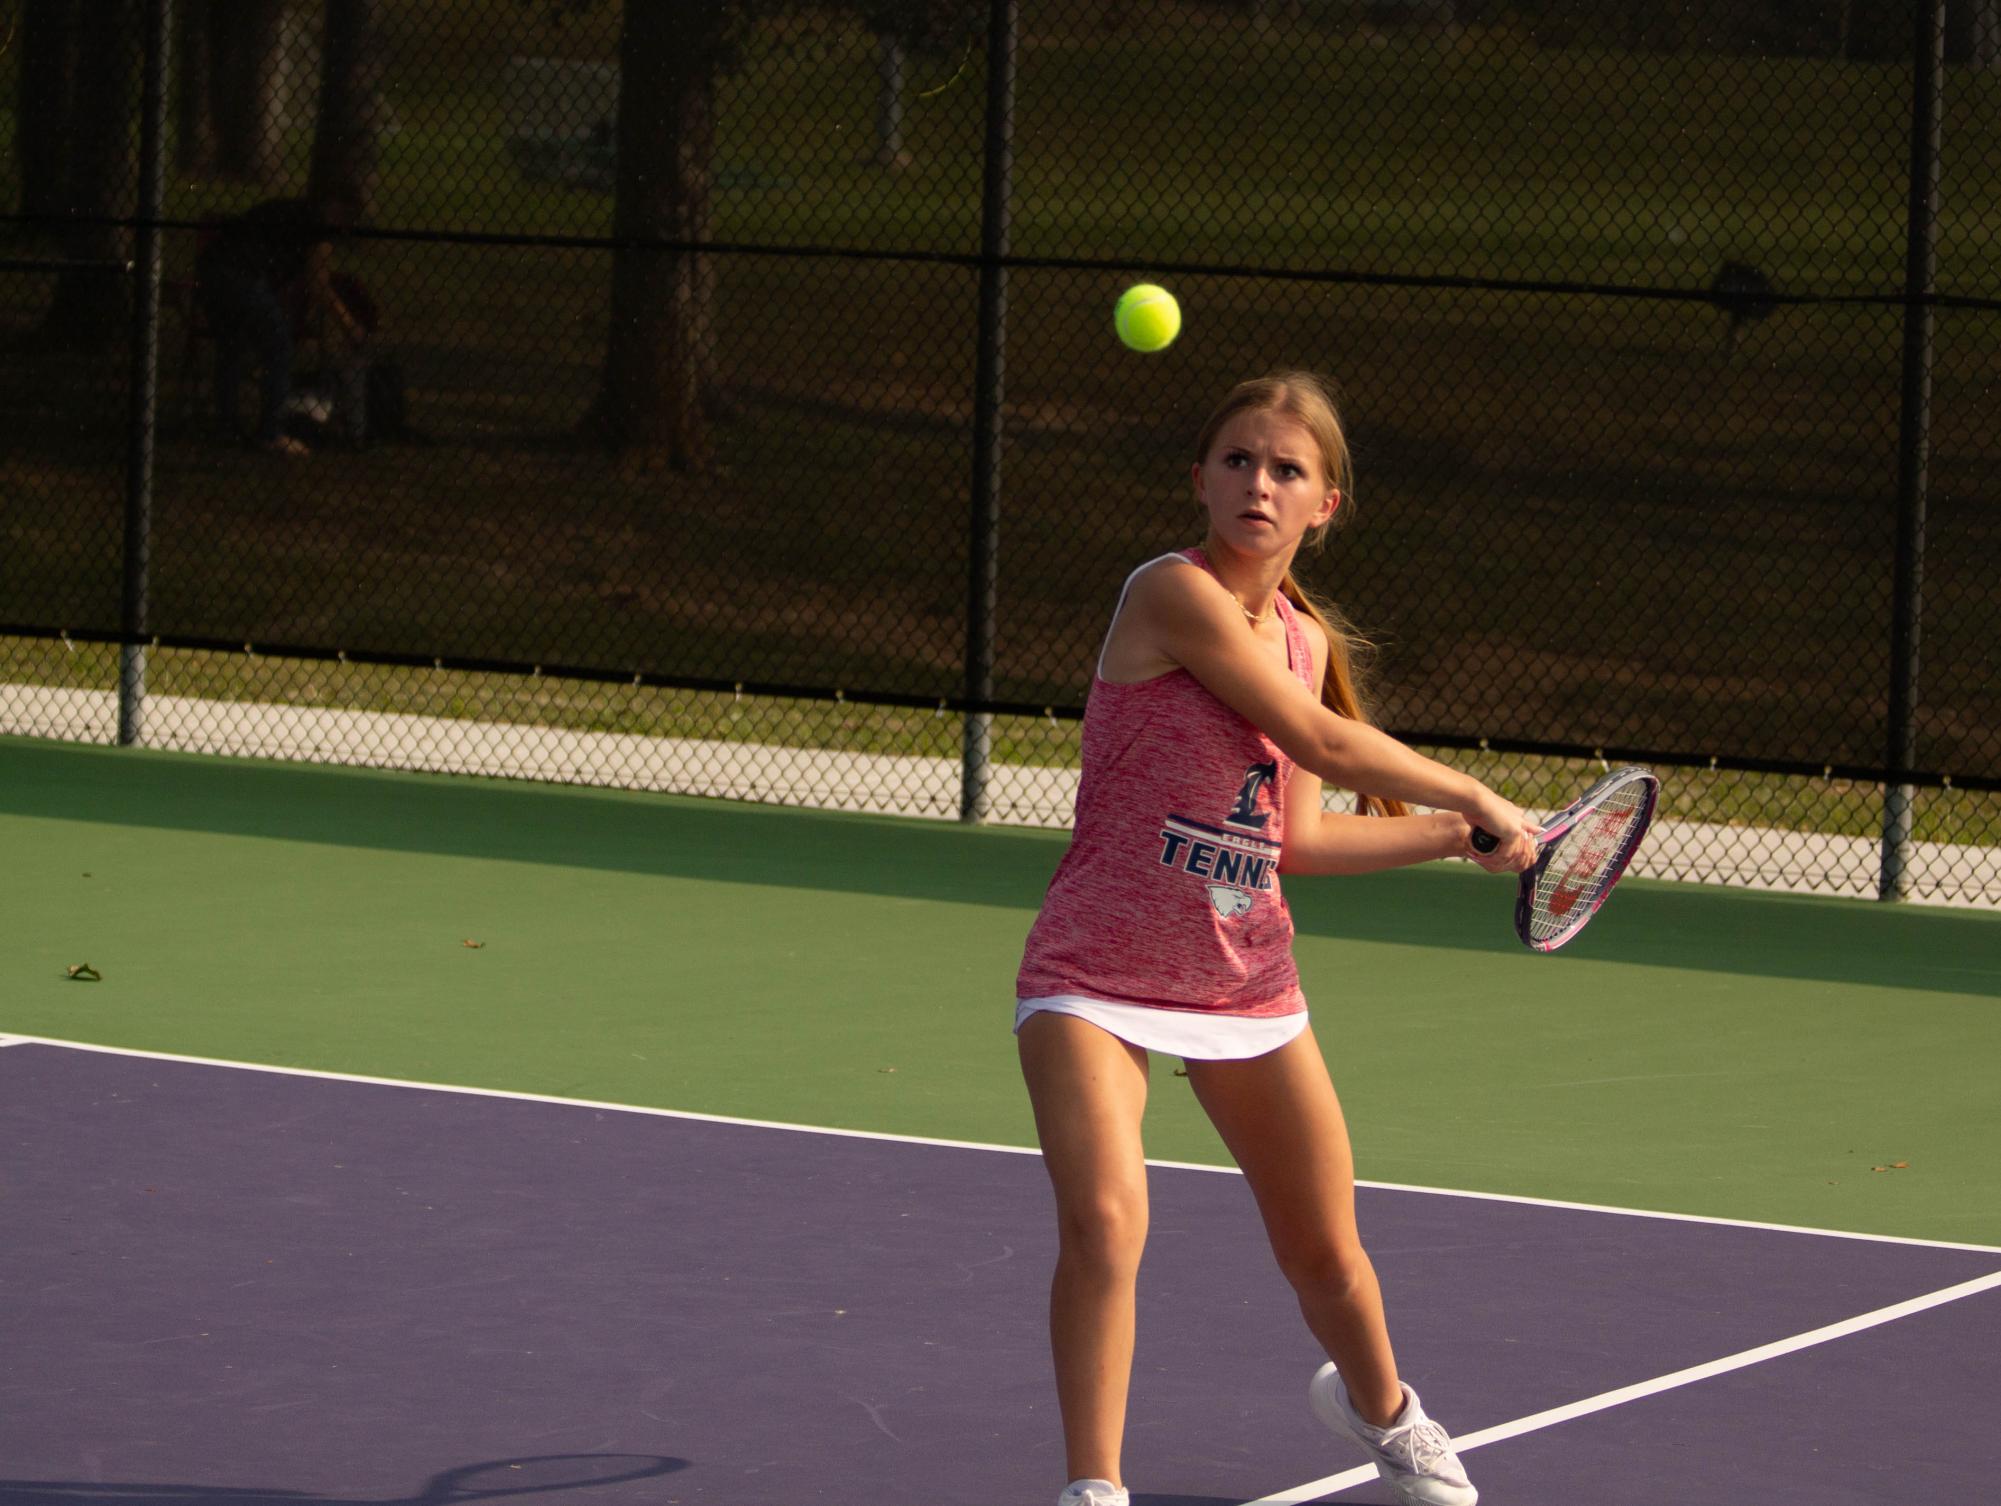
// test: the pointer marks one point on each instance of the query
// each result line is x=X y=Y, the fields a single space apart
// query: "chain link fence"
x=721 y=397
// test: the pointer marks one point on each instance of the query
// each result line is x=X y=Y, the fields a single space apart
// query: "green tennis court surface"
x=1699 y=1050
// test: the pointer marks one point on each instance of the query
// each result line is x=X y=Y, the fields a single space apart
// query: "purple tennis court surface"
x=256 y=1288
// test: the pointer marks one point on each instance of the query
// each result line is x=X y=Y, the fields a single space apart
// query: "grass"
x=1734 y=508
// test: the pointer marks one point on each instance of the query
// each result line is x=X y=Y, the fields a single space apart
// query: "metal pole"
x=982 y=572
x=1913 y=448
x=144 y=379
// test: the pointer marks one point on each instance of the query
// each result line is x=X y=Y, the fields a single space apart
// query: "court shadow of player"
x=469 y=1482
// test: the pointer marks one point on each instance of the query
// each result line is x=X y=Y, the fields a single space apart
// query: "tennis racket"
x=1580 y=855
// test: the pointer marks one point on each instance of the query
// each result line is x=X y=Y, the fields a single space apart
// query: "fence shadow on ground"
x=1661 y=924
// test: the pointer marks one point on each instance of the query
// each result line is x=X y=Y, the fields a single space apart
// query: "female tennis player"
x=1223 y=698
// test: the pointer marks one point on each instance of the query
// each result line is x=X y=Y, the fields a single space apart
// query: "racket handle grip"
x=1484 y=840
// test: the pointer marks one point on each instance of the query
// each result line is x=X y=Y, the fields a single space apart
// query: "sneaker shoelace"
x=1420 y=1448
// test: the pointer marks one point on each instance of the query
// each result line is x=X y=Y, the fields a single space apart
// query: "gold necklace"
x=1257 y=621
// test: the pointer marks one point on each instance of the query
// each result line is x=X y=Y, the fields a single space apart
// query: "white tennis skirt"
x=1185 y=1033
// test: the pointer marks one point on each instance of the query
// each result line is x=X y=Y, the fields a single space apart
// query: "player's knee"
x=1324 y=1266
x=1105 y=1233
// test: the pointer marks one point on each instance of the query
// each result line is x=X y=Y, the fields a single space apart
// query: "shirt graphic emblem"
x=1234 y=863
x=1245 y=812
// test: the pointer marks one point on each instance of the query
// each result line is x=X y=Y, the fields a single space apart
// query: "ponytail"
x=1342 y=688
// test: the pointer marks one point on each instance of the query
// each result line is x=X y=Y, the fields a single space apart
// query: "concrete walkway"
x=1021 y=795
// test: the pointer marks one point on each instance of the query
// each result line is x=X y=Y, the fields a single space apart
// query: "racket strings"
x=1585 y=861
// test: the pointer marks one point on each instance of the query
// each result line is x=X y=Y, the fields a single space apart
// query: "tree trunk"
x=890 y=54
x=1973 y=33
x=1958 y=31
x=660 y=349
x=245 y=37
x=194 y=87
x=51 y=39
x=348 y=133
x=1635 y=26
x=1878 y=33
x=91 y=306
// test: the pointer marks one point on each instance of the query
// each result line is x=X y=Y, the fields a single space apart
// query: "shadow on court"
x=547 y=1474
x=442 y=1490
x=1662 y=924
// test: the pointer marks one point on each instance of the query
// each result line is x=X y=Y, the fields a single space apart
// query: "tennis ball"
x=1147 y=317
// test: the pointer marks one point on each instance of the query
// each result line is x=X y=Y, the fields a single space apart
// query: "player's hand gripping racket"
x=1580 y=855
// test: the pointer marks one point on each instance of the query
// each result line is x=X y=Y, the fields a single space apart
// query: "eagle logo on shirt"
x=1235 y=860
x=1229 y=902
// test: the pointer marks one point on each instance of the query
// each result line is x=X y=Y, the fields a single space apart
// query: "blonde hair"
x=1304 y=398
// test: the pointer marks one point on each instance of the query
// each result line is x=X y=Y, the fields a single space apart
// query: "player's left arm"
x=1322 y=841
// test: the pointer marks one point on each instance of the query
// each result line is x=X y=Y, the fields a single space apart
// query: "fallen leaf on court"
x=1893 y=1166
x=885 y=1069
x=475 y=945
x=83 y=972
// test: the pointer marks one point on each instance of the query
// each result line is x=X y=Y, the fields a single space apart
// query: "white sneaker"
x=1093 y=1493
x=1414 y=1454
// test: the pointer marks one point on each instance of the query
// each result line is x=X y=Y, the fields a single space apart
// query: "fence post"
x=1913 y=448
x=144 y=379
x=983 y=552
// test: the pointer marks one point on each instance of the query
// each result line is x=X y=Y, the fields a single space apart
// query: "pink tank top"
x=1169 y=893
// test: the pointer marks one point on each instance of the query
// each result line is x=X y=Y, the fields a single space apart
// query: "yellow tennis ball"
x=1147 y=317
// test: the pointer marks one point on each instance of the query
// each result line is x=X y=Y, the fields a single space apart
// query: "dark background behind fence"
x=1621 y=299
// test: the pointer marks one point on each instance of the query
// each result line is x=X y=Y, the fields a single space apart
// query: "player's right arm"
x=1178 y=615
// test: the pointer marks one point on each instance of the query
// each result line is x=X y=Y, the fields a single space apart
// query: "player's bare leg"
x=1279 y=1116
x=1088 y=1089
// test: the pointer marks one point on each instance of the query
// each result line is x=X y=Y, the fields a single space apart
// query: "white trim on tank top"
x=1127 y=587
x=1123 y=590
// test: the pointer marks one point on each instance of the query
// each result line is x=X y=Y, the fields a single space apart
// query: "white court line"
x=607 y=1106
x=1686 y=1218
x=1313 y=1490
